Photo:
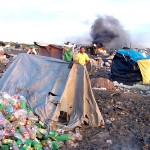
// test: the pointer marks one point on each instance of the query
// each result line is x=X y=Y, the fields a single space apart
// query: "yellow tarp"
x=144 y=66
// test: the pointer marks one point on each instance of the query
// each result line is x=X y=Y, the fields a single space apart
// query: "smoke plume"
x=110 y=32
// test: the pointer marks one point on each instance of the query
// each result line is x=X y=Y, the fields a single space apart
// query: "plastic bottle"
x=9 y=109
x=15 y=146
x=5 y=147
x=43 y=131
x=44 y=143
x=39 y=125
x=19 y=136
x=7 y=141
x=63 y=138
x=24 y=132
x=1 y=107
x=31 y=131
x=1 y=134
x=49 y=143
x=39 y=136
x=53 y=134
x=3 y=121
x=37 y=145
x=20 y=112
x=9 y=128
x=56 y=136
x=22 y=120
x=5 y=95
x=19 y=142
x=31 y=116
x=23 y=102
x=55 y=145
x=28 y=143
x=25 y=147
x=14 y=103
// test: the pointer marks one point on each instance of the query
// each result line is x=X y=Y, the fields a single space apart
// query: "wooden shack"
x=50 y=50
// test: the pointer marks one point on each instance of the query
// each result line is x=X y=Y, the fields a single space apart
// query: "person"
x=1 y=50
x=68 y=51
x=82 y=58
x=32 y=51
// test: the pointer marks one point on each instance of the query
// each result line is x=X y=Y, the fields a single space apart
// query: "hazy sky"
x=55 y=21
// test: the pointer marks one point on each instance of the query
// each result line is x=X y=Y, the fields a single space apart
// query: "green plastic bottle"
x=37 y=145
x=5 y=147
x=57 y=137
x=55 y=145
x=8 y=117
x=53 y=134
x=39 y=136
x=1 y=107
x=44 y=143
x=63 y=138
x=19 y=142
x=28 y=142
x=40 y=126
x=23 y=102
x=24 y=147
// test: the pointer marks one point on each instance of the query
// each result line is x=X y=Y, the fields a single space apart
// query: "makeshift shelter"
x=50 y=50
x=124 y=66
x=52 y=88
x=144 y=66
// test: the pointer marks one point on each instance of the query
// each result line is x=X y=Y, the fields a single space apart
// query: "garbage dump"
x=21 y=129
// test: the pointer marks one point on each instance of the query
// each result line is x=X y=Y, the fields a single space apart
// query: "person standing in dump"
x=32 y=51
x=82 y=58
x=68 y=51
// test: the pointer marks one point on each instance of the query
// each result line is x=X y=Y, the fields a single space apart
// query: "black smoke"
x=109 y=31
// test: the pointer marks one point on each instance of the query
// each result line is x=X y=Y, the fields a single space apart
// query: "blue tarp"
x=134 y=55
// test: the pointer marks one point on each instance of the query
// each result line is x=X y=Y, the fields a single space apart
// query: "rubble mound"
x=102 y=83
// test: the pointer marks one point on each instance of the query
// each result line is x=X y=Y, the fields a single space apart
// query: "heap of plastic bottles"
x=21 y=129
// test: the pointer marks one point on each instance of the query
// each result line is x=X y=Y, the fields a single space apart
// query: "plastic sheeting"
x=51 y=87
x=134 y=55
x=144 y=66
x=125 y=70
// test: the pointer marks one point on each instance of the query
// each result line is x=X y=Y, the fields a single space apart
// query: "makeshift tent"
x=52 y=88
x=144 y=66
x=124 y=66
x=50 y=50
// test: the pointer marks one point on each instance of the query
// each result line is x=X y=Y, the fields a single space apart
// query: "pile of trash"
x=21 y=129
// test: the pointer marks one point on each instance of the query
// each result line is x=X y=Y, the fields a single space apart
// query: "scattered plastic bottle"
x=32 y=132
x=7 y=141
x=23 y=102
x=19 y=136
x=55 y=145
x=3 y=121
x=56 y=136
x=21 y=129
x=15 y=146
x=5 y=147
x=19 y=142
x=24 y=132
x=37 y=145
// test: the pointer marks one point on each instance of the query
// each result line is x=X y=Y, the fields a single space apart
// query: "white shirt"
x=1 y=48
x=33 y=50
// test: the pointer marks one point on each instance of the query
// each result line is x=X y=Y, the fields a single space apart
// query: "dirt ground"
x=127 y=123
x=127 y=120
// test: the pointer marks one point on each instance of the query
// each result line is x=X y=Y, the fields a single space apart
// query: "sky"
x=56 y=21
